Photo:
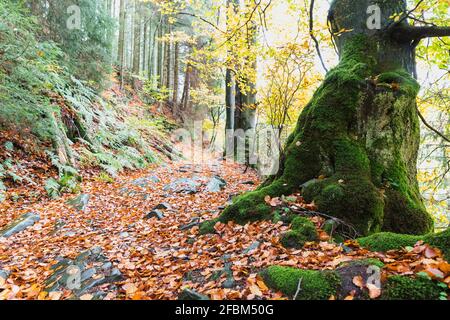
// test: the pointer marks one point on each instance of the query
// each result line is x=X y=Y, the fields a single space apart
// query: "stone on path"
x=84 y=274
x=145 y=181
x=255 y=245
x=154 y=214
x=4 y=274
x=184 y=185
x=81 y=202
x=163 y=206
x=216 y=184
x=20 y=224
x=189 y=294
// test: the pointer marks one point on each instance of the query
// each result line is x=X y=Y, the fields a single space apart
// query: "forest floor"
x=120 y=251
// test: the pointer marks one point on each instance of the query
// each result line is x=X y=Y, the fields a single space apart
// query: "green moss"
x=303 y=230
x=407 y=288
x=389 y=241
x=315 y=285
x=385 y=241
x=403 y=216
x=355 y=200
x=408 y=84
x=440 y=240
x=208 y=227
x=363 y=262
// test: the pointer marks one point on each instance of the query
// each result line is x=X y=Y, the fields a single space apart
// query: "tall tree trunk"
x=145 y=46
x=230 y=83
x=121 y=42
x=186 y=88
x=167 y=57
x=159 y=59
x=230 y=99
x=176 y=72
x=355 y=146
x=137 y=38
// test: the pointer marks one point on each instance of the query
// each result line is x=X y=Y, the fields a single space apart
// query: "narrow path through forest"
x=137 y=238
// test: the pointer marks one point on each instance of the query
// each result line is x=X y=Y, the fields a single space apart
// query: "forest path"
x=118 y=247
x=156 y=256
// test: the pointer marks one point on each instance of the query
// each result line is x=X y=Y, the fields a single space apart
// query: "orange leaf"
x=55 y=295
x=435 y=273
x=358 y=281
x=255 y=290
x=374 y=291
x=262 y=285
x=430 y=252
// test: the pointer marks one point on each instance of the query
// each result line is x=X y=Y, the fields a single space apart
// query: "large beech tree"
x=355 y=146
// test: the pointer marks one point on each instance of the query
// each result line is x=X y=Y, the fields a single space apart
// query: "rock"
x=76 y=276
x=216 y=184
x=255 y=245
x=229 y=282
x=4 y=274
x=107 y=266
x=70 y=234
x=145 y=181
x=81 y=202
x=194 y=276
x=194 y=222
x=189 y=294
x=124 y=235
x=154 y=214
x=20 y=224
x=184 y=185
x=89 y=273
x=231 y=198
x=163 y=206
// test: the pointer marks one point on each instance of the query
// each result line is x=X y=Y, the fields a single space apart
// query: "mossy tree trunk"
x=360 y=132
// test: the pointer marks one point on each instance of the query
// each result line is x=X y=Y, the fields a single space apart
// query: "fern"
x=53 y=188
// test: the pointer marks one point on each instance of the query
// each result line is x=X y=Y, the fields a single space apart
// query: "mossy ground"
x=408 y=288
x=302 y=231
x=321 y=285
x=315 y=285
x=385 y=241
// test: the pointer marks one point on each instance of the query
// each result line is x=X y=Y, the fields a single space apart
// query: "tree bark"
x=230 y=99
x=137 y=38
x=176 y=71
x=121 y=42
x=354 y=150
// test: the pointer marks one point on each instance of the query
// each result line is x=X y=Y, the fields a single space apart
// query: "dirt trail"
x=126 y=253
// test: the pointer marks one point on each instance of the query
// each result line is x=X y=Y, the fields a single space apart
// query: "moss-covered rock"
x=321 y=285
x=315 y=285
x=408 y=288
x=302 y=231
x=385 y=241
x=208 y=227
x=362 y=262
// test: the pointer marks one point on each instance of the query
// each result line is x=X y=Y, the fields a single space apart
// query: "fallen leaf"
x=374 y=291
x=358 y=281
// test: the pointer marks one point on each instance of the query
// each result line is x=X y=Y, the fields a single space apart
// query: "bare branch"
x=311 y=33
x=431 y=128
